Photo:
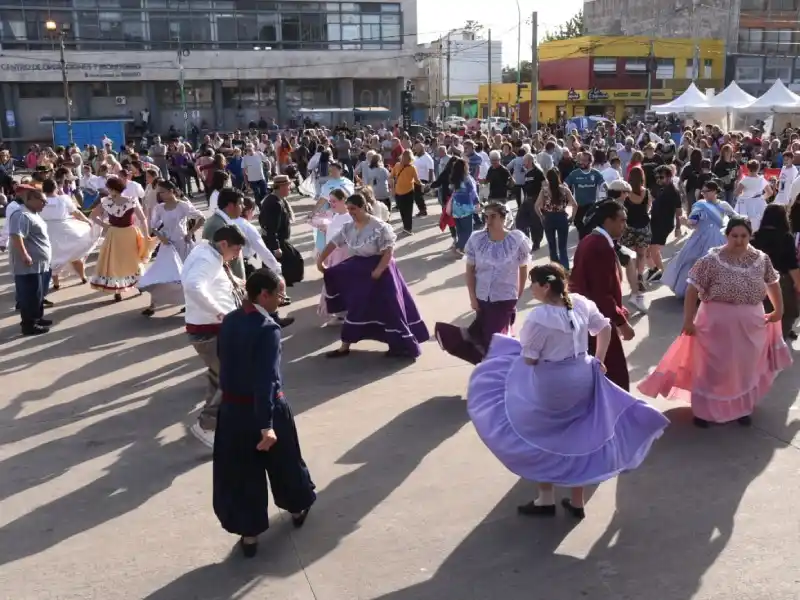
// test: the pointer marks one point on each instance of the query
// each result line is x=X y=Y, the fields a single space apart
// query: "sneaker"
x=204 y=435
x=637 y=301
x=406 y=232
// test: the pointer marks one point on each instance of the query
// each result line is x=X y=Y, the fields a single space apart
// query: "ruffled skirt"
x=119 y=263
x=162 y=279
x=70 y=240
x=558 y=422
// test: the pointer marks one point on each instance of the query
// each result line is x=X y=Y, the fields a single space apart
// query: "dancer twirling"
x=596 y=274
x=124 y=248
x=72 y=237
x=163 y=277
x=729 y=352
x=497 y=266
x=544 y=408
x=256 y=430
x=370 y=288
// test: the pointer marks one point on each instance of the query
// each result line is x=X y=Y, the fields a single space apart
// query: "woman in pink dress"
x=330 y=223
x=729 y=352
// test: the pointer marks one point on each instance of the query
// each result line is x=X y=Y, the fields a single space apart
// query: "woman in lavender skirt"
x=545 y=408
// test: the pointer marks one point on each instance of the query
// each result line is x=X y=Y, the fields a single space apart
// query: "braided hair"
x=554 y=275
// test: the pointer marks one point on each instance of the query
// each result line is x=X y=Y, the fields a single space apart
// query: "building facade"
x=239 y=60
x=608 y=75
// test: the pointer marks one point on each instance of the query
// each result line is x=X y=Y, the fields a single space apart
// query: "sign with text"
x=88 y=70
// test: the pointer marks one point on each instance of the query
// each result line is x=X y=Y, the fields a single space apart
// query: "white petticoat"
x=70 y=240
x=163 y=277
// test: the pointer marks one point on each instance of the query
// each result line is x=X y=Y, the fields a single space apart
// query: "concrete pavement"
x=104 y=494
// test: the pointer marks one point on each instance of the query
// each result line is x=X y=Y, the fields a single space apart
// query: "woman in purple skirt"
x=368 y=286
x=545 y=408
x=497 y=266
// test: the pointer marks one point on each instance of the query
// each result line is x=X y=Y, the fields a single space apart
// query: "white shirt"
x=753 y=187
x=424 y=166
x=785 y=181
x=335 y=226
x=213 y=201
x=253 y=166
x=485 y=164
x=11 y=208
x=134 y=190
x=255 y=247
x=207 y=289
x=609 y=174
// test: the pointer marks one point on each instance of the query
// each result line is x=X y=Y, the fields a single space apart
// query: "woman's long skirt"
x=697 y=246
x=558 y=422
x=726 y=367
x=162 y=279
x=377 y=309
x=471 y=343
x=119 y=263
x=70 y=240
x=337 y=256
x=240 y=485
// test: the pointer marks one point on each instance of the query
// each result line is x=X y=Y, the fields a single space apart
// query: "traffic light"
x=407 y=106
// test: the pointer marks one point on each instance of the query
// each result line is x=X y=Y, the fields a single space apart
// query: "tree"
x=510 y=73
x=473 y=27
x=571 y=29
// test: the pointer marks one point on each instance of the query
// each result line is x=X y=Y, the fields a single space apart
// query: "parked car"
x=454 y=122
x=494 y=125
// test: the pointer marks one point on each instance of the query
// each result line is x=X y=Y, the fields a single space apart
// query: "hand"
x=320 y=266
x=773 y=317
x=163 y=239
x=603 y=367
x=626 y=332
x=27 y=260
x=277 y=253
x=688 y=329
x=268 y=440
x=105 y=227
x=376 y=273
x=473 y=302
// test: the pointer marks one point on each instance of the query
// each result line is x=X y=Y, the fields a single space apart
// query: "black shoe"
x=117 y=297
x=44 y=322
x=576 y=512
x=745 y=421
x=532 y=510
x=299 y=520
x=656 y=277
x=286 y=301
x=791 y=335
x=35 y=330
x=48 y=303
x=649 y=273
x=248 y=550
x=148 y=312
x=284 y=322
x=701 y=423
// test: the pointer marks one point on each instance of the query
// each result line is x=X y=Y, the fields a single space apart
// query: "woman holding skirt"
x=545 y=408
x=331 y=225
x=729 y=352
x=124 y=248
x=170 y=225
x=497 y=267
x=72 y=236
x=369 y=287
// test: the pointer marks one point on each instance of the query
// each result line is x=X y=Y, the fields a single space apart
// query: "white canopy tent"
x=777 y=99
x=731 y=98
x=689 y=101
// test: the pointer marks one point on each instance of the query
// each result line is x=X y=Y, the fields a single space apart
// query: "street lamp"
x=61 y=31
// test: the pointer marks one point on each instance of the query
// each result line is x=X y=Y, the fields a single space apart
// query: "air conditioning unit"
x=121 y=100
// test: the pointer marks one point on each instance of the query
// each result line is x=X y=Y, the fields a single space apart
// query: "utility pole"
x=535 y=73
x=439 y=95
x=60 y=29
x=651 y=68
x=182 y=84
x=490 y=78
x=696 y=54
x=447 y=102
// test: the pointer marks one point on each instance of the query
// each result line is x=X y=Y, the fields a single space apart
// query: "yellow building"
x=608 y=75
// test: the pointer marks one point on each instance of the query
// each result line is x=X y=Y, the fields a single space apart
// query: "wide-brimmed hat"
x=280 y=180
x=619 y=185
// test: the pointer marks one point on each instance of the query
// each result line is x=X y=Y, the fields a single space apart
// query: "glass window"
x=604 y=65
x=371 y=27
x=41 y=90
x=248 y=94
x=689 y=68
x=390 y=30
x=290 y=31
x=12 y=29
x=778 y=68
x=226 y=29
x=264 y=27
x=707 y=68
x=749 y=69
x=665 y=68
x=390 y=8
x=311 y=93
x=313 y=31
x=112 y=89
x=779 y=40
x=751 y=40
x=351 y=31
x=784 y=4
x=198 y=94
x=636 y=66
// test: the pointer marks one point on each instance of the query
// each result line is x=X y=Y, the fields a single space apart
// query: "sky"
x=436 y=17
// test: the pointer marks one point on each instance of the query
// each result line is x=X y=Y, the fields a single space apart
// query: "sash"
x=711 y=210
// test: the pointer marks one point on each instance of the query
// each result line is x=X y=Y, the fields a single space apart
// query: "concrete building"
x=240 y=60
x=762 y=37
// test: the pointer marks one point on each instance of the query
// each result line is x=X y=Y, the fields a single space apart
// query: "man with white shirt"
x=610 y=173
x=132 y=188
x=794 y=189
x=423 y=163
x=253 y=167
x=210 y=292
x=786 y=179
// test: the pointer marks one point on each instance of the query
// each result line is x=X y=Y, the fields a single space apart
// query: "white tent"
x=777 y=99
x=689 y=101
x=731 y=98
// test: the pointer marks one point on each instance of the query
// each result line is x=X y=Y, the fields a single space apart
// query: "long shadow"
x=387 y=457
x=664 y=318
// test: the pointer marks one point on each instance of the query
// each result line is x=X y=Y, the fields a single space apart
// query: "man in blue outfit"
x=255 y=426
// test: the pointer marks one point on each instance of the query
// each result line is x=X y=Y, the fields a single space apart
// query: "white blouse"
x=551 y=333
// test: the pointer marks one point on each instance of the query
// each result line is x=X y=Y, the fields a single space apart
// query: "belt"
x=244 y=399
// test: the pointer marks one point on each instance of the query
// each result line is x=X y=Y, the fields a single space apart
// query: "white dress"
x=751 y=202
x=70 y=238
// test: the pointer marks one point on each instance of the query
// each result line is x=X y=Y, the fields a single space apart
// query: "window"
x=779 y=40
x=112 y=89
x=248 y=94
x=636 y=66
x=689 y=68
x=12 y=29
x=198 y=94
x=783 y=5
x=41 y=90
x=749 y=69
x=751 y=40
x=752 y=5
x=665 y=68
x=777 y=68
x=604 y=66
x=707 y=65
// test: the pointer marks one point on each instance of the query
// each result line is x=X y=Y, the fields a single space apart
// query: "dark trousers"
x=240 y=471
x=529 y=222
x=259 y=190
x=405 y=204
x=791 y=311
x=419 y=199
x=30 y=292
x=464 y=228
x=583 y=230
x=556 y=230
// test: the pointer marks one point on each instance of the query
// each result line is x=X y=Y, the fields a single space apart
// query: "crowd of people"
x=555 y=405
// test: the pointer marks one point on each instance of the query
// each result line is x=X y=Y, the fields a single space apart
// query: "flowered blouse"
x=722 y=278
x=372 y=239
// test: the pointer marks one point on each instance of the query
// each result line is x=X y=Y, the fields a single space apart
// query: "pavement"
x=105 y=495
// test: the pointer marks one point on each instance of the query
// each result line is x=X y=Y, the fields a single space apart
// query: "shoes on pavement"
x=206 y=436
x=637 y=301
x=35 y=330
x=575 y=511
x=533 y=510
x=44 y=322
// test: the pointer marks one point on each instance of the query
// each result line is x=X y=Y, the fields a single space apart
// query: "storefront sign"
x=90 y=70
x=595 y=94
x=572 y=95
